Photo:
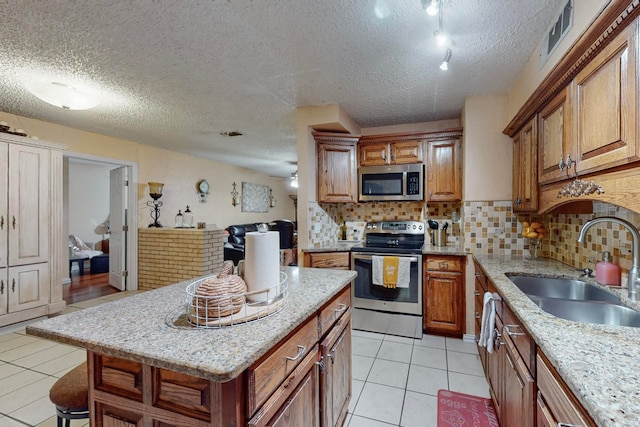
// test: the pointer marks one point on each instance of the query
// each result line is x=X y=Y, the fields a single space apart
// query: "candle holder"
x=155 y=191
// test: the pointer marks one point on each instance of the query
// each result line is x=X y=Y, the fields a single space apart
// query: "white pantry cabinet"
x=32 y=241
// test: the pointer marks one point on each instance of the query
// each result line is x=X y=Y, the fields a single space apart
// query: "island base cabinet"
x=335 y=381
x=296 y=402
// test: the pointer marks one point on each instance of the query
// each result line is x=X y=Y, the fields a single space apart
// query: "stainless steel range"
x=396 y=311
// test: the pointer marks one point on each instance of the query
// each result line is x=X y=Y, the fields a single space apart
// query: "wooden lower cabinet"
x=299 y=407
x=311 y=389
x=443 y=295
x=519 y=389
x=335 y=381
x=556 y=405
x=331 y=259
x=525 y=389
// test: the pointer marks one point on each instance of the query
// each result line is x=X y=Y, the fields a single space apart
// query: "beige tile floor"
x=395 y=379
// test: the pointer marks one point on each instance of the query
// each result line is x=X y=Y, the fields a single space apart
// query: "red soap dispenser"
x=607 y=273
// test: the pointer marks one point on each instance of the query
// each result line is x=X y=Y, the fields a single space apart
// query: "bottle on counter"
x=343 y=231
x=179 y=219
x=188 y=218
x=607 y=273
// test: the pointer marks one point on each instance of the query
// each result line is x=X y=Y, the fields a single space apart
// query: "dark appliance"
x=376 y=308
x=391 y=182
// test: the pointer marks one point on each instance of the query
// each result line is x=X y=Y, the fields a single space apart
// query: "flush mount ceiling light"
x=432 y=7
x=61 y=95
x=447 y=57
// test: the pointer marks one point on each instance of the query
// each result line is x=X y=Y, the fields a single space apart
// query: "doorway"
x=100 y=215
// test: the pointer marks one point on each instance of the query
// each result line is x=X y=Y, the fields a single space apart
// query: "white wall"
x=88 y=199
x=584 y=12
x=179 y=172
x=488 y=153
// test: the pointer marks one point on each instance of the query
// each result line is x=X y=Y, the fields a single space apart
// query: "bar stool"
x=70 y=395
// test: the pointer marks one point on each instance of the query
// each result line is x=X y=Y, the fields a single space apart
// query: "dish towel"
x=402 y=271
x=488 y=324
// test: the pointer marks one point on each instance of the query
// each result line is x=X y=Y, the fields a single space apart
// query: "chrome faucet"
x=634 y=272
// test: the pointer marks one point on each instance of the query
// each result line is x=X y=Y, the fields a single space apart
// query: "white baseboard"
x=470 y=338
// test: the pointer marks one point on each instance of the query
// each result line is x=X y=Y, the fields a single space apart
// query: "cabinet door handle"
x=518 y=202
x=14 y=221
x=330 y=261
x=476 y=293
x=13 y=285
x=301 y=350
x=2 y=222
x=341 y=308
x=332 y=355
x=1 y=287
x=384 y=154
x=478 y=315
x=496 y=341
x=444 y=265
x=511 y=333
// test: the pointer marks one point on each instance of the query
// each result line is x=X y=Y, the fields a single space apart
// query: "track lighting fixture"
x=447 y=57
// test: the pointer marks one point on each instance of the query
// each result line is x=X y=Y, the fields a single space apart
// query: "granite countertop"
x=141 y=328
x=599 y=363
x=338 y=246
x=429 y=249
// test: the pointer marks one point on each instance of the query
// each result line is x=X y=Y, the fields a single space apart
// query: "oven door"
x=374 y=297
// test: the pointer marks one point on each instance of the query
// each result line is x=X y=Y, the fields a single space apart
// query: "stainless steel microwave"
x=391 y=182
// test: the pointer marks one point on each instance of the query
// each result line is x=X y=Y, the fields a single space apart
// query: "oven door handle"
x=360 y=256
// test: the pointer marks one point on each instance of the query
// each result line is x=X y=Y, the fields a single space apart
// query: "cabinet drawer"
x=332 y=311
x=328 y=259
x=558 y=399
x=451 y=263
x=268 y=373
x=296 y=400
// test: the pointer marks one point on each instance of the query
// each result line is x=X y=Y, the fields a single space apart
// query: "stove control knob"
x=414 y=226
x=420 y=227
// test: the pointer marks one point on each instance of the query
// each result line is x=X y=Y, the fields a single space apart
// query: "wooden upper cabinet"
x=444 y=170
x=606 y=106
x=555 y=142
x=525 y=169
x=337 y=172
x=406 y=152
x=374 y=154
x=392 y=149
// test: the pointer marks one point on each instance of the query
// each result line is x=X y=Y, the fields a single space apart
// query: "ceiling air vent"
x=231 y=133
x=556 y=32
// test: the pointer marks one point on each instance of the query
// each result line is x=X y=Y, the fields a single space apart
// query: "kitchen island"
x=149 y=368
x=597 y=362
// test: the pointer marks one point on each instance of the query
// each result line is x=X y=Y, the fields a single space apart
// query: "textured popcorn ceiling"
x=176 y=74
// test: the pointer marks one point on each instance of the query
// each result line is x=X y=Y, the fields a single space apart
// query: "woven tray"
x=227 y=310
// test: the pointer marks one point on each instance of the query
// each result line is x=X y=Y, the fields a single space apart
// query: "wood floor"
x=87 y=286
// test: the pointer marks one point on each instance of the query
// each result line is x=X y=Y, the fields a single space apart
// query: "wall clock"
x=202 y=187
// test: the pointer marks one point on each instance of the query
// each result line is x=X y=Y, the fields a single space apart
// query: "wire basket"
x=216 y=311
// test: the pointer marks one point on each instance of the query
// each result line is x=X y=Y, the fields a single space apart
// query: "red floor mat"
x=464 y=410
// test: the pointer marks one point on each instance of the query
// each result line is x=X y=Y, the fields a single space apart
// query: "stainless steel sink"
x=562 y=288
x=576 y=300
x=590 y=312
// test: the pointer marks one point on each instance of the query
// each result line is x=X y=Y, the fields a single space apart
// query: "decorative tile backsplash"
x=325 y=219
x=493 y=228
x=488 y=227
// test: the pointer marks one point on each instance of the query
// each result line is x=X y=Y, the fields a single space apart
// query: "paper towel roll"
x=262 y=263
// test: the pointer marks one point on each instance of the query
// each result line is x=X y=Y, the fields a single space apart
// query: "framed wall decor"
x=255 y=197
